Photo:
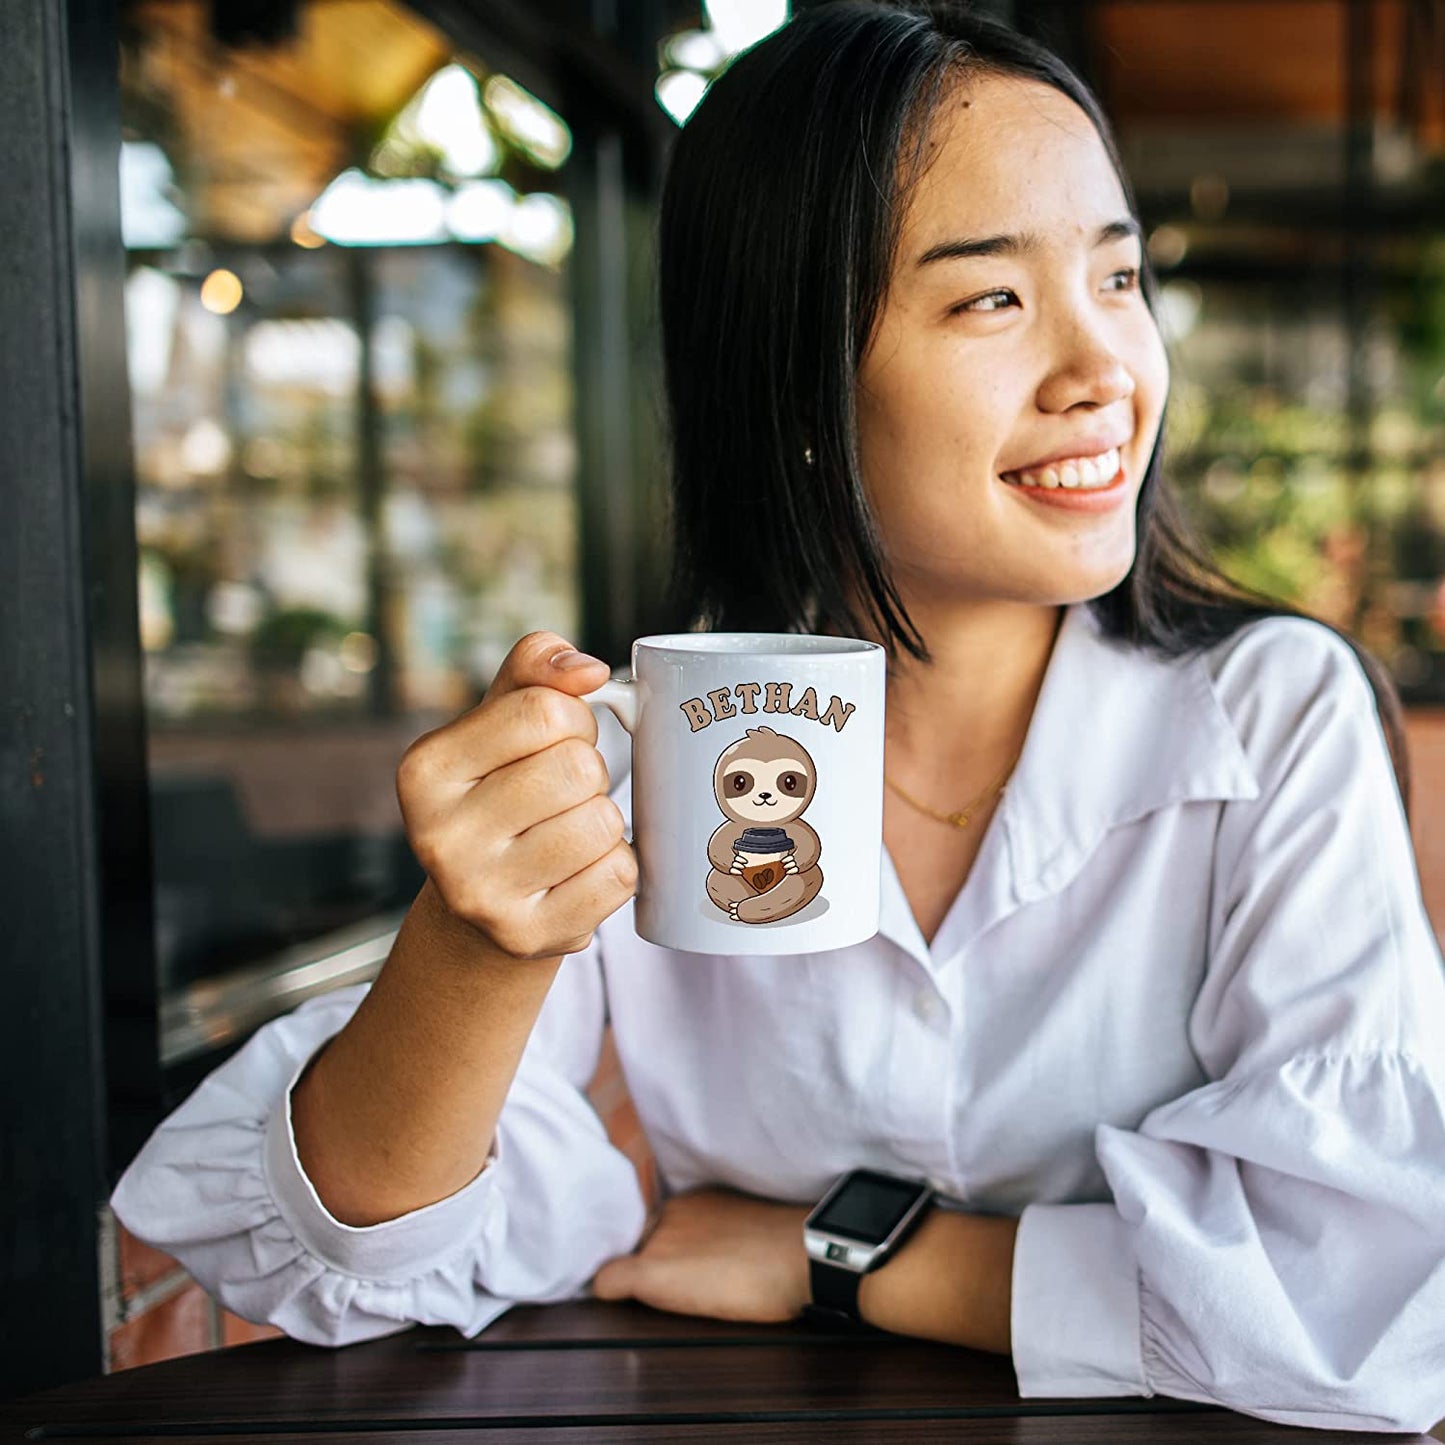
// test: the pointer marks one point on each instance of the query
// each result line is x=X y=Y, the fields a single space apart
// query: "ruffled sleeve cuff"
x=1075 y=1304
x=396 y=1249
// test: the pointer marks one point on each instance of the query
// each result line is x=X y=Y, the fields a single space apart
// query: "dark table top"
x=594 y=1372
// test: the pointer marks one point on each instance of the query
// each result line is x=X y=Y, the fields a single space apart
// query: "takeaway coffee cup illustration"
x=757 y=788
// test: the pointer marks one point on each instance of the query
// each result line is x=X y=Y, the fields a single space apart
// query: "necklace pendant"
x=959 y=820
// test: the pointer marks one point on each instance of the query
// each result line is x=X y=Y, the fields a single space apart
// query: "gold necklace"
x=961 y=818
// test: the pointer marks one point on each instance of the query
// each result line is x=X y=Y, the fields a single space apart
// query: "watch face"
x=867 y=1208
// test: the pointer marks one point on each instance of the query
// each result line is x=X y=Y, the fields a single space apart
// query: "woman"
x=1160 y=1018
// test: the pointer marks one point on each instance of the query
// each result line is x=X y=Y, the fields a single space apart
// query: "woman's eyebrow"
x=1026 y=243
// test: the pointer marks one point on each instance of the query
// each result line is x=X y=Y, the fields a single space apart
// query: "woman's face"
x=986 y=363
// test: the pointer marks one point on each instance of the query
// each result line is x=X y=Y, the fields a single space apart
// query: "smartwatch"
x=857 y=1225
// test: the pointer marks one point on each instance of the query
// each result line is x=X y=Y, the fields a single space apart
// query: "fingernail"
x=572 y=658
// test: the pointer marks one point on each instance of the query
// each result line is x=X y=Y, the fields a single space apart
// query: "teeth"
x=1078 y=474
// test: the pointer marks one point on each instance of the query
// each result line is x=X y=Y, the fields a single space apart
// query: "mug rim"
x=759 y=644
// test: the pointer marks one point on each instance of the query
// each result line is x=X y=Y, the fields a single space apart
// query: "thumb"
x=548 y=659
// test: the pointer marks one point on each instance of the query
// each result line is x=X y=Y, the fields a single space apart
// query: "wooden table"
x=590 y=1373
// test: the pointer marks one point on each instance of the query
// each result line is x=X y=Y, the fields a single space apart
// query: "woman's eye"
x=1131 y=273
x=989 y=296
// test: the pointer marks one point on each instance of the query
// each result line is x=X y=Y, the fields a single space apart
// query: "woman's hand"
x=717 y=1253
x=507 y=808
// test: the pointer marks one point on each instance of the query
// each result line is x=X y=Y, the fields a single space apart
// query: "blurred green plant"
x=1416 y=305
x=1263 y=483
x=285 y=637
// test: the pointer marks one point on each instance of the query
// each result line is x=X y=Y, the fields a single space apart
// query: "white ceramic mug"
x=757 y=788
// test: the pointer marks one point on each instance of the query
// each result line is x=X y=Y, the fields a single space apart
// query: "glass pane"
x=349 y=342
x=1288 y=157
x=1303 y=296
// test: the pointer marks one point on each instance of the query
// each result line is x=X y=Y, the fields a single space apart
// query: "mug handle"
x=619 y=696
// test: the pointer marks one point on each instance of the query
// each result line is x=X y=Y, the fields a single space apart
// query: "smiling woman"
x=900 y=314
x=1157 y=1017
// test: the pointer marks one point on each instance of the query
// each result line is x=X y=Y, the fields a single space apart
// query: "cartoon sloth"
x=764 y=859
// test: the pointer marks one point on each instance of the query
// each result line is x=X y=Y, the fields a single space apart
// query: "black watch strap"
x=834 y=1305
x=835 y=1290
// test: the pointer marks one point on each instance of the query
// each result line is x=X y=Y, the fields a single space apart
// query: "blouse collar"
x=1117 y=732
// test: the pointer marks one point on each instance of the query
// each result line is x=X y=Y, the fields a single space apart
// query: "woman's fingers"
x=510 y=800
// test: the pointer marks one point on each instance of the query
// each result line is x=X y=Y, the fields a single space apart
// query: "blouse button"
x=926 y=1005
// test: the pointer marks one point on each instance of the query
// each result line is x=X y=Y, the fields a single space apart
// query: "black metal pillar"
x=73 y=817
x=607 y=533
x=371 y=482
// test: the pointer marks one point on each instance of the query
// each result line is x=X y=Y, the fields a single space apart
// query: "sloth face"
x=769 y=794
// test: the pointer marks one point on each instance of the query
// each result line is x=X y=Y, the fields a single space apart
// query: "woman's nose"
x=1089 y=368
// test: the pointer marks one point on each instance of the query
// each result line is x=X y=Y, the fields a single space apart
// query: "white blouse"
x=1185 y=1019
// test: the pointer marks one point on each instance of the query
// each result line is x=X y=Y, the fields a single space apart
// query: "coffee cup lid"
x=763 y=840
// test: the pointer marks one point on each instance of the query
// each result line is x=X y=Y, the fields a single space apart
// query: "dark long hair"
x=780 y=220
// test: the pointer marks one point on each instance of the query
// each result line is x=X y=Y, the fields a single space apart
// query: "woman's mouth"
x=1086 y=474
x=1075 y=486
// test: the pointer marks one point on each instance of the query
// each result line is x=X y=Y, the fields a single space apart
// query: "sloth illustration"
x=764 y=859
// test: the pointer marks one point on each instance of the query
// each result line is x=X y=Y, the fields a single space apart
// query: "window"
x=350 y=359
